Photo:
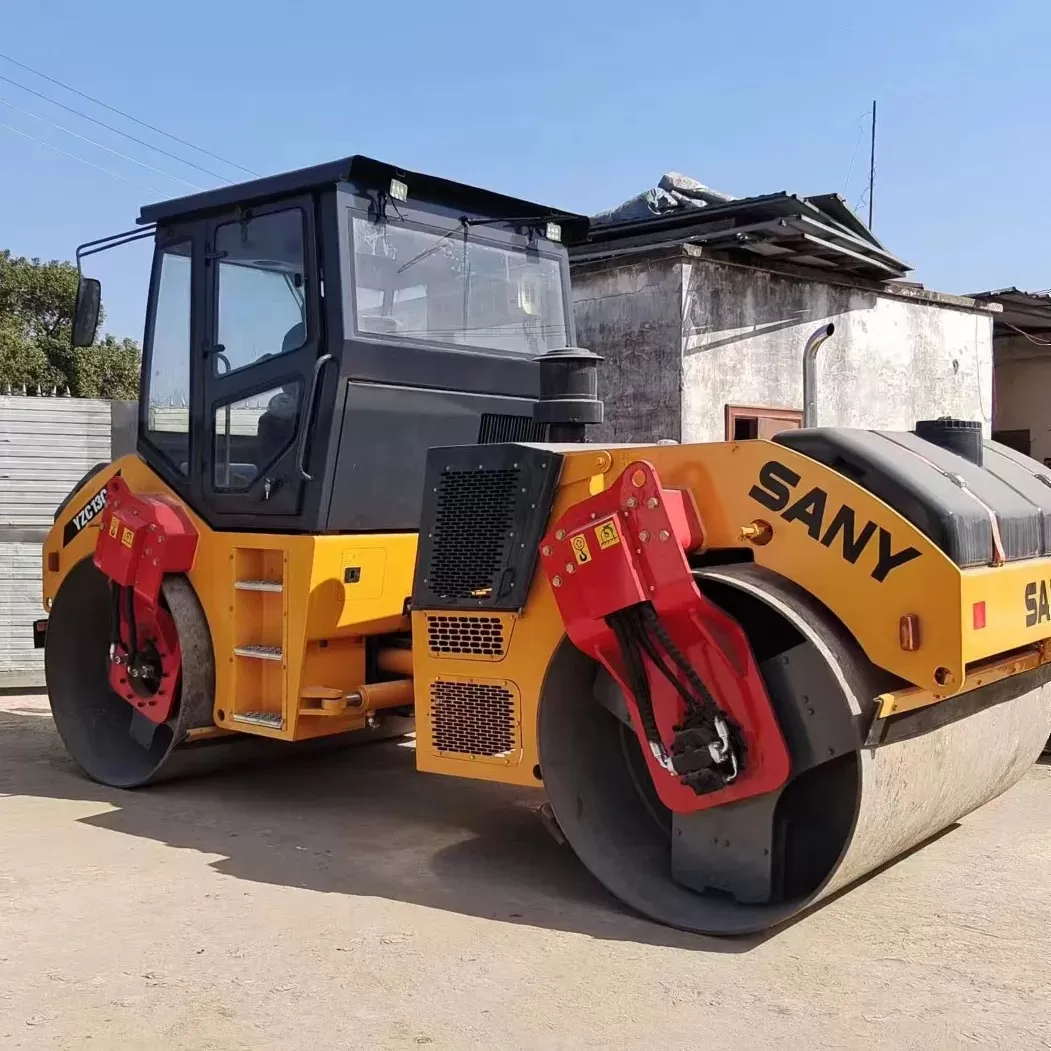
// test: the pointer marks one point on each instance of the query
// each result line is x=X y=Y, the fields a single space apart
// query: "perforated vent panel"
x=473 y=718
x=474 y=636
x=500 y=427
x=475 y=516
x=485 y=510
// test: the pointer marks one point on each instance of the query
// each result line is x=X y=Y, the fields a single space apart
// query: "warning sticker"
x=580 y=549
x=607 y=534
x=114 y=526
x=127 y=538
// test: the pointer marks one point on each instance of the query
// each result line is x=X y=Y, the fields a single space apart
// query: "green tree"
x=37 y=300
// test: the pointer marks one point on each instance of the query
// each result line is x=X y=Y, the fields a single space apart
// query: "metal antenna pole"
x=872 y=161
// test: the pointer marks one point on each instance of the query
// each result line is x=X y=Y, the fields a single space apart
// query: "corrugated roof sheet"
x=819 y=232
x=1029 y=312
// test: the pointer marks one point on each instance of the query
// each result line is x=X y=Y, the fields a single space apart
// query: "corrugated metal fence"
x=46 y=447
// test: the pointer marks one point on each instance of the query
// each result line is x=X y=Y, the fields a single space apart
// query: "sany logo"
x=775 y=490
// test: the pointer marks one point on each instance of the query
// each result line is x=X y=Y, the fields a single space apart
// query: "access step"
x=270 y=719
x=261 y=653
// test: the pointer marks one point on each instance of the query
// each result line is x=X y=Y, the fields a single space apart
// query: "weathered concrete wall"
x=632 y=315
x=890 y=362
x=684 y=336
x=1023 y=385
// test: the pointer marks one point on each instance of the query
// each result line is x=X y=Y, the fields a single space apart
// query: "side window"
x=251 y=433
x=261 y=295
x=168 y=407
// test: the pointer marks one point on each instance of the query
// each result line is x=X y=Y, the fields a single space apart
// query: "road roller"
x=366 y=500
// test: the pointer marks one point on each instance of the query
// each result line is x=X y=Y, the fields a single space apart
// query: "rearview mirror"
x=86 y=313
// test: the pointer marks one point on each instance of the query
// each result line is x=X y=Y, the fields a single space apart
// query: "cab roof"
x=365 y=173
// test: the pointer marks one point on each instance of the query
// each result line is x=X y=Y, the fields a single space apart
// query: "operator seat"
x=277 y=426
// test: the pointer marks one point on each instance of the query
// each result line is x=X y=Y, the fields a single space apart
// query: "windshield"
x=416 y=283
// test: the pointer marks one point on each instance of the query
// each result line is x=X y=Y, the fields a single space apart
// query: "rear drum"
x=846 y=809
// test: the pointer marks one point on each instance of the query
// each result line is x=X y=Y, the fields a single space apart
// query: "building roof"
x=367 y=173
x=1023 y=312
x=818 y=232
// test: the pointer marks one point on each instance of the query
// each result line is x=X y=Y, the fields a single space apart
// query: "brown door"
x=744 y=422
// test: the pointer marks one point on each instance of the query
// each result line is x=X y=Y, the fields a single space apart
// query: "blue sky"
x=579 y=105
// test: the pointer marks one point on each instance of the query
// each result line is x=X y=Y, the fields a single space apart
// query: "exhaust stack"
x=813 y=345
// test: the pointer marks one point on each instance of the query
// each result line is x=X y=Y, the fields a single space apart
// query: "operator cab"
x=311 y=335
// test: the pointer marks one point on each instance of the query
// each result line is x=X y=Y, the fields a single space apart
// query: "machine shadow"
x=358 y=821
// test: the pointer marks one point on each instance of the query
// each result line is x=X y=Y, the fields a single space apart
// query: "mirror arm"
x=103 y=244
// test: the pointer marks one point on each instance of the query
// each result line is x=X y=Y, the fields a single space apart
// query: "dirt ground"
x=347 y=902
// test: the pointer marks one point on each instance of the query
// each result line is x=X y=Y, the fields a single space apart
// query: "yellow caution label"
x=580 y=549
x=114 y=526
x=127 y=538
x=607 y=534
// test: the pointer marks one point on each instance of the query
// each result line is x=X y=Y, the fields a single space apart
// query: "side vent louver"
x=474 y=718
x=499 y=427
x=465 y=635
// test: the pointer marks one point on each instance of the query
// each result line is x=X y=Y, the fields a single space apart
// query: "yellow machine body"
x=933 y=596
x=918 y=623
x=297 y=637
x=285 y=595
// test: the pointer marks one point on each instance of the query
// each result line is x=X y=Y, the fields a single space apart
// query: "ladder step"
x=262 y=653
x=273 y=720
x=259 y=585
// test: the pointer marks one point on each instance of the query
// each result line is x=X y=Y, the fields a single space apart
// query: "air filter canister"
x=963 y=437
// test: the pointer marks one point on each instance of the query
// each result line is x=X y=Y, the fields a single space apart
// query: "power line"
x=84 y=138
x=73 y=156
x=872 y=164
x=853 y=156
x=128 y=116
x=117 y=131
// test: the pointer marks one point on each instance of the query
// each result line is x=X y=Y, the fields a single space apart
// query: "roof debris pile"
x=820 y=232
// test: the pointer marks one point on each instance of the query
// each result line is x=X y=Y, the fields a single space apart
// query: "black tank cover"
x=922 y=482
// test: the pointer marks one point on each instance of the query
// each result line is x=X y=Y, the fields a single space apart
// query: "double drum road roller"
x=363 y=502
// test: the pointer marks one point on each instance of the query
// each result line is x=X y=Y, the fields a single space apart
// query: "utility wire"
x=92 y=164
x=853 y=156
x=116 y=131
x=84 y=138
x=128 y=116
x=1026 y=336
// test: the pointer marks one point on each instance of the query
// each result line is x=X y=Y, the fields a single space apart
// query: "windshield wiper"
x=464 y=222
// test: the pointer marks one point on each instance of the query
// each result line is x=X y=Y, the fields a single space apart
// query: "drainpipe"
x=813 y=345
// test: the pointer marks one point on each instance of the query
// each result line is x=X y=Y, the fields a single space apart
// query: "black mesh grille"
x=500 y=427
x=471 y=718
x=485 y=508
x=466 y=635
x=472 y=526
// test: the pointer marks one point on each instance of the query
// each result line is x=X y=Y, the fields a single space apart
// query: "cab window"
x=168 y=382
x=261 y=289
x=416 y=283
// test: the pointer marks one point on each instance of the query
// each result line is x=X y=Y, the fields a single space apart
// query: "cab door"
x=259 y=364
